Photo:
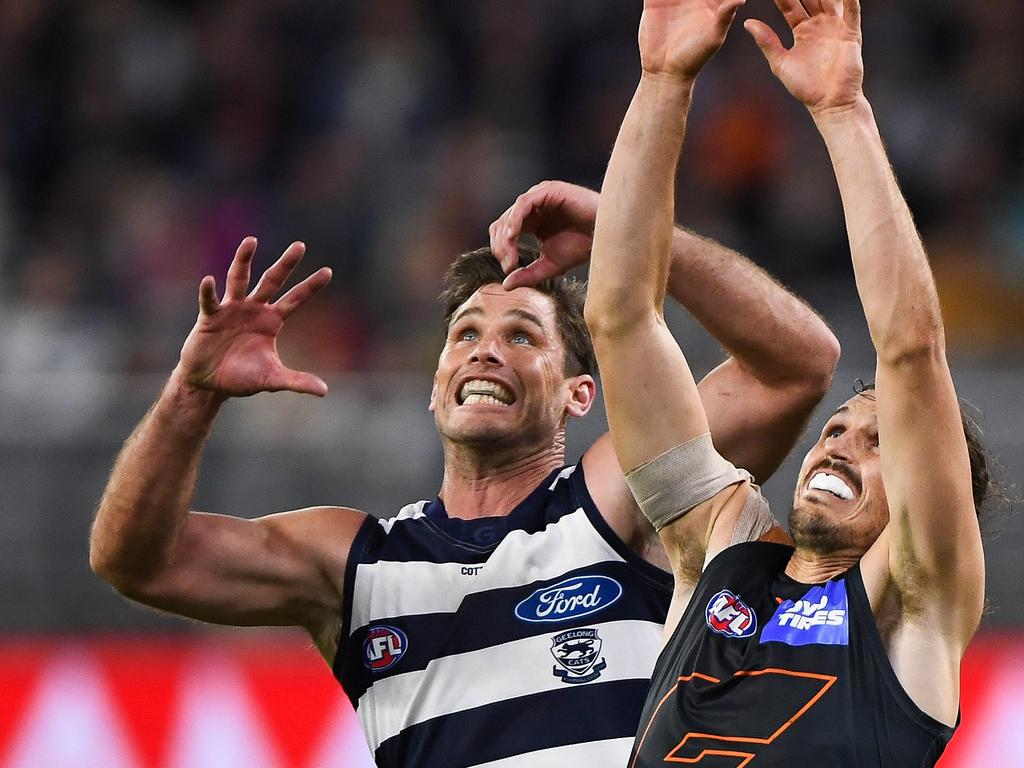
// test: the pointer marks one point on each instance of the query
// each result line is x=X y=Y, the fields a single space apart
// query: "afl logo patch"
x=569 y=599
x=728 y=615
x=383 y=647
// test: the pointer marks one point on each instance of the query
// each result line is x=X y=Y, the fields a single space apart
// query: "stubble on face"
x=813 y=530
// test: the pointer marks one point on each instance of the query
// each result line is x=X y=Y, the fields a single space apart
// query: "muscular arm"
x=934 y=544
x=652 y=399
x=759 y=399
x=283 y=569
x=931 y=549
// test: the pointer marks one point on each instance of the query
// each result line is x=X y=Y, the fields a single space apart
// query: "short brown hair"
x=475 y=269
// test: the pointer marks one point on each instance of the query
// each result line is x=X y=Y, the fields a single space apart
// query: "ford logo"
x=570 y=599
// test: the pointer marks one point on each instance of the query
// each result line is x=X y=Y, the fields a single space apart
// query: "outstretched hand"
x=677 y=37
x=561 y=216
x=824 y=68
x=232 y=350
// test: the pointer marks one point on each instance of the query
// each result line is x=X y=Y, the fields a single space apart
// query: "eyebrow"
x=522 y=314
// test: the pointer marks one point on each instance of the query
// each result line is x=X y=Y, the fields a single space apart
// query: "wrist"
x=857 y=109
x=190 y=397
x=668 y=82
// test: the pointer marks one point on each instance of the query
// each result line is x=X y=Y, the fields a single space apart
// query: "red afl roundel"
x=383 y=647
x=727 y=615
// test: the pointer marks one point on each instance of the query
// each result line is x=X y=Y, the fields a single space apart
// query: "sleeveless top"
x=518 y=640
x=765 y=671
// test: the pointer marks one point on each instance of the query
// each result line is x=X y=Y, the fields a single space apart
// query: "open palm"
x=824 y=68
x=232 y=349
x=677 y=37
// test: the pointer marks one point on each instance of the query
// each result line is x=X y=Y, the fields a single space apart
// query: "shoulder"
x=606 y=484
x=325 y=533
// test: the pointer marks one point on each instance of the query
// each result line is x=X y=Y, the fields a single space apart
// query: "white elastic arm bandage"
x=669 y=486
x=755 y=520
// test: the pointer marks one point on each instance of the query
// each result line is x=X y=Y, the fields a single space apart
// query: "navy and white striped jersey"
x=521 y=640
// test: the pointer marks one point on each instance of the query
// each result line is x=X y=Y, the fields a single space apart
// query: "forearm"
x=651 y=397
x=893 y=277
x=747 y=311
x=146 y=501
x=633 y=232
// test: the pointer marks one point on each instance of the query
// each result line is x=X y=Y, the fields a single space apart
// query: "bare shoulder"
x=319 y=539
x=613 y=499
x=318 y=526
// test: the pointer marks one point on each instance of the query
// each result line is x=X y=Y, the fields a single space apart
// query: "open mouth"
x=482 y=392
x=825 y=481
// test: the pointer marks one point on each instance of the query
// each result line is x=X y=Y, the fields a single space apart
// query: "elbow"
x=108 y=566
x=105 y=566
x=826 y=360
x=608 y=320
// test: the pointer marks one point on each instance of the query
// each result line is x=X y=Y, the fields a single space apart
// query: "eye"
x=520 y=337
x=834 y=431
x=466 y=334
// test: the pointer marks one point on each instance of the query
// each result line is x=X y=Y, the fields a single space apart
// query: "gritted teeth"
x=486 y=392
x=823 y=481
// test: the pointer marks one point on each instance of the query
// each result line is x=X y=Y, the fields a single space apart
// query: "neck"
x=814 y=568
x=479 y=484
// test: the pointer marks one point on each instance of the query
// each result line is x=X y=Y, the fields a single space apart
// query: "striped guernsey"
x=520 y=640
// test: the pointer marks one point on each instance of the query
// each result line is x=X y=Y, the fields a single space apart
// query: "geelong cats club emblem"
x=577 y=652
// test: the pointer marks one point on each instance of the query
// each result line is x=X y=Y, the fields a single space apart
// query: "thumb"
x=542 y=269
x=287 y=380
x=766 y=40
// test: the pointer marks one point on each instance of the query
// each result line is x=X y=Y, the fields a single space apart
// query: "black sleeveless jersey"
x=764 y=671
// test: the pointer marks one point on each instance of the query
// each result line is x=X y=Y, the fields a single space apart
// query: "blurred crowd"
x=140 y=140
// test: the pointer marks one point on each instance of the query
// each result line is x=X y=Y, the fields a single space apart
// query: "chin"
x=813 y=529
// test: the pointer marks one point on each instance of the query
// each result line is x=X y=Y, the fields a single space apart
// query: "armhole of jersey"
x=581 y=495
x=355 y=556
x=862 y=611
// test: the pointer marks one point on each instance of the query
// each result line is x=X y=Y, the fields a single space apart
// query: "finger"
x=286 y=380
x=727 y=10
x=303 y=292
x=530 y=275
x=238 y=273
x=851 y=14
x=208 y=301
x=272 y=280
x=793 y=10
x=813 y=7
x=521 y=217
x=766 y=40
x=833 y=7
x=505 y=252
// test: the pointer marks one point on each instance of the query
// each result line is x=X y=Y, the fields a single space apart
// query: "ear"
x=432 y=405
x=582 y=390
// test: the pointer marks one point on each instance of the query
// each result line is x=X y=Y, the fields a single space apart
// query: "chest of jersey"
x=766 y=672
x=459 y=627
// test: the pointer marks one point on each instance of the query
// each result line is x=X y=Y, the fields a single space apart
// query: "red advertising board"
x=271 y=702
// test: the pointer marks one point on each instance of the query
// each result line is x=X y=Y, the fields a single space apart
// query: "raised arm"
x=652 y=400
x=931 y=550
x=283 y=569
x=759 y=399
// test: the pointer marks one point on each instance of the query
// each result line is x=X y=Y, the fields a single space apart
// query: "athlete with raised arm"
x=527 y=592
x=845 y=649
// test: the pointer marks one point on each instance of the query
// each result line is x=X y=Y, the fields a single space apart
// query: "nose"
x=487 y=351
x=840 y=447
